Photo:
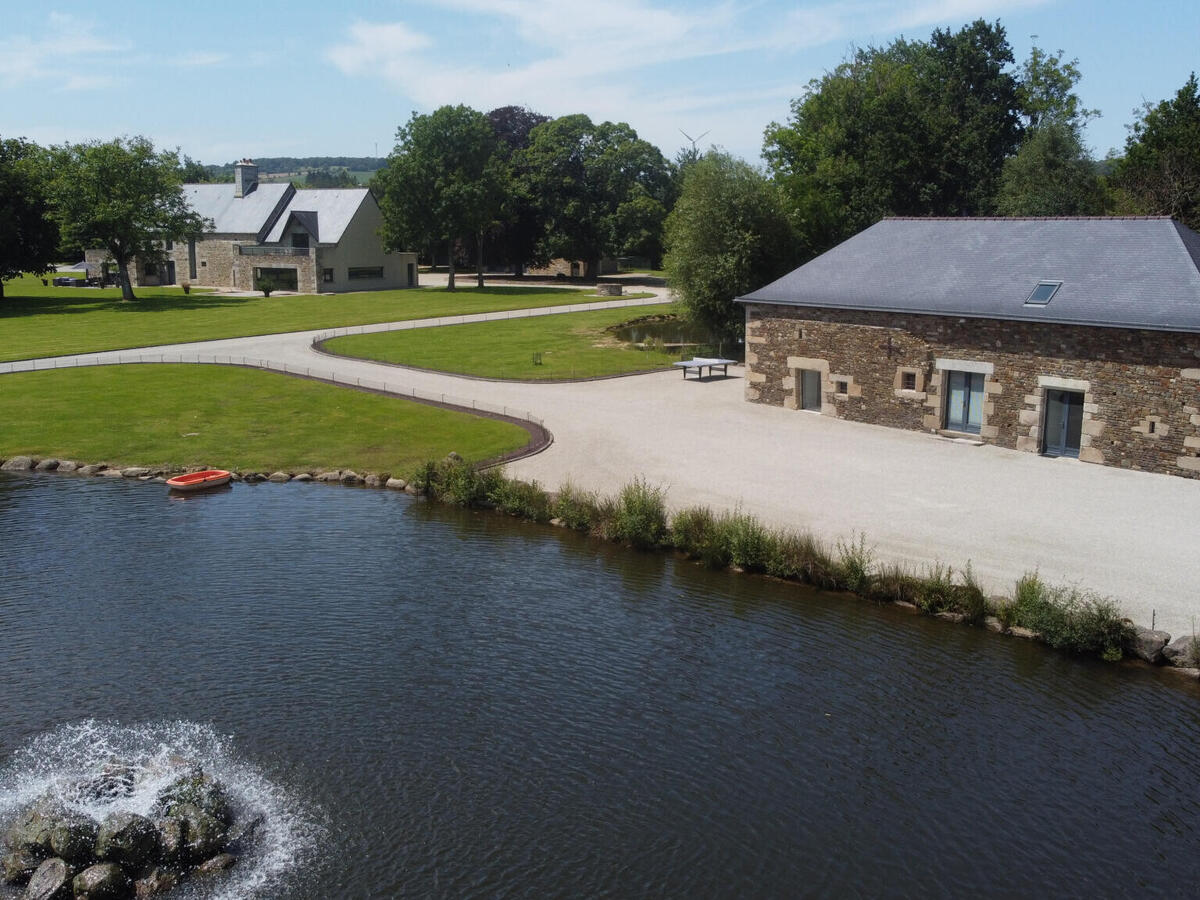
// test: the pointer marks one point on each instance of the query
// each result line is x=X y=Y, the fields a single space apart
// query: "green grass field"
x=178 y=416
x=572 y=345
x=37 y=321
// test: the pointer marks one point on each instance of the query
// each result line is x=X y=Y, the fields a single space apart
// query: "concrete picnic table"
x=699 y=362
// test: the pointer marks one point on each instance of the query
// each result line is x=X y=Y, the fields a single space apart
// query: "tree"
x=913 y=128
x=1046 y=90
x=728 y=234
x=601 y=188
x=325 y=177
x=444 y=181
x=122 y=196
x=1161 y=167
x=194 y=172
x=1051 y=175
x=514 y=240
x=30 y=235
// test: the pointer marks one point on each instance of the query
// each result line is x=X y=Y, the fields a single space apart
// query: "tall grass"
x=1065 y=617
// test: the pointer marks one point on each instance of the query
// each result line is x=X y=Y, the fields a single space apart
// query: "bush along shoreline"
x=1067 y=618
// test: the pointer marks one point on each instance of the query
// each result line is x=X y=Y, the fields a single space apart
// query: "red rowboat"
x=196 y=481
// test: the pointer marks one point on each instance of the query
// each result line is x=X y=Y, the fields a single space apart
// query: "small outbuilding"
x=1067 y=337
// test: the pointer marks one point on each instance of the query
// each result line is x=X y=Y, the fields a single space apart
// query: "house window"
x=365 y=272
x=841 y=387
x=170 y=245
x=964 y=401
x=1043 y=293
x=908 y=381
x=327 y=275
x=300 y=240
x=810 y=390
x=191 y=259
x=151 y=269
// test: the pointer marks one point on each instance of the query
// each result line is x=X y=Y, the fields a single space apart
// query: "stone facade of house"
x=1140 y=388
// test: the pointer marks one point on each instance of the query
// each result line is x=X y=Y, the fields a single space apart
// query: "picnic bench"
x=699 y=363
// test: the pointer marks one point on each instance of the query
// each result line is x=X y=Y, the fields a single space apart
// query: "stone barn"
x=1066 y=337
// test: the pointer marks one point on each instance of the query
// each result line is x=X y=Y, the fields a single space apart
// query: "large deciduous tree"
x=444 y=181
x=514 y=240
x=601 y=188
x=28 y=236
x=727 y=235
x=1051 y=175
x=914 y=128
x=124 y=197
x=1161 y=168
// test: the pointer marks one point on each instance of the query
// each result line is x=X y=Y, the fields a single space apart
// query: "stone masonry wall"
x=1141 y=389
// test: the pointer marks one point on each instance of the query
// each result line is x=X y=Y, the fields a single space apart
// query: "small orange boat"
x=198 y=481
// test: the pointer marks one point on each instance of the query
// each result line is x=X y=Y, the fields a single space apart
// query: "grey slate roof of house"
x=236 y=215
x=1115 y=272
x=330 y=209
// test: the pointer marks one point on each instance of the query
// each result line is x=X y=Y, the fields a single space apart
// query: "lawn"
x=38 y=321
x=570 y=345
x=178 y=416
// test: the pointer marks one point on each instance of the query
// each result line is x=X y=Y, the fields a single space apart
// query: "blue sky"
x=259 y=78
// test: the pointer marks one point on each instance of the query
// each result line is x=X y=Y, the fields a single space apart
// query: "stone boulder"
x=329 y=477
x=73 y=838
x=1148 y=645
x=51 y=881
x=105 y=881
x=106 y=472
x=279 y=477
x=349 y=477
x=17 y=865
x=126 y=838
x=46 y=465
x=372 y=481
x=303 y=476
x=396 y=484
x=158 y=881
x=18 y=464
x=204 y=835
x=1182 y=651
x=90 y=469
x=67 y=465
x=134 y=472
x=453 y=457
x=195 y=790
x=172 y=843
x=30 y=833
x=218 y=863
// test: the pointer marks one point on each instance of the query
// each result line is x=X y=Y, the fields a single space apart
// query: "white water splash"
x=60 y=763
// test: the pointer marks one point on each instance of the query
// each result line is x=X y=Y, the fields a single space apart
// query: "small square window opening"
x=842 y=387
x=908 y=381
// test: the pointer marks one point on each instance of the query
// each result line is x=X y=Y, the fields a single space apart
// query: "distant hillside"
x=294 y=164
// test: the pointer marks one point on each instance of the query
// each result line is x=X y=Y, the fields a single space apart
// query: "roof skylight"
x=1043 y=293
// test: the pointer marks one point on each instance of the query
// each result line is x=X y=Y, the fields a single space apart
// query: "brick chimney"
x=245 y=177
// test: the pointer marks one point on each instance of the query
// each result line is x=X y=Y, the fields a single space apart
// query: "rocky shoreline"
x=1180 y=655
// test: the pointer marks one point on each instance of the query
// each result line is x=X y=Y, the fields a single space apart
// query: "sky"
x=224 y=80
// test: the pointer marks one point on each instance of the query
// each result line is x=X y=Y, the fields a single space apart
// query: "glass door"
x=964 y=401
x=1064 y=423
x=810 y=390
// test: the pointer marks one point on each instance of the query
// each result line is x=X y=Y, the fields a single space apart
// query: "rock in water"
x=1148 y=645
x=204 y=835
x=17 y=865
x=159 y=881
x=18 y=464
x=74 y=839
x=198 y=790
x=51 y=881
x=218 y=863
x=31 y=832
x=126 y=838
x=105 y=881
x=171 y=843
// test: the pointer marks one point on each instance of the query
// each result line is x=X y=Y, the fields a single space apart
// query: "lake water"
x=435 y=703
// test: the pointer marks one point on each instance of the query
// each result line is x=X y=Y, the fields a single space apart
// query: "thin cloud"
x=64 y=60
x=200 y=58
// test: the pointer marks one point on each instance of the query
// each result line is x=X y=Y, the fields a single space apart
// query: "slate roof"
x=237 y=215
x=329 y=211
x=1119 y=272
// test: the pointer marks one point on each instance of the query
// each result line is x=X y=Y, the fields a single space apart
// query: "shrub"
x=935 y=592
x=972 y=602
x=424 y=479
x=803 y=557
x=894 y=584
x=640 y=516
x=460 y=483
x=1070 y=619
x=267 y=284
x=520 y=498
x=187 y=288
x=854 y=564
x=575 y=507
x=694 y=531
x=604 y=519
x=747 y=543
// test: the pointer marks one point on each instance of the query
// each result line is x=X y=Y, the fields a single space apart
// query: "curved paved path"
x=918 y=498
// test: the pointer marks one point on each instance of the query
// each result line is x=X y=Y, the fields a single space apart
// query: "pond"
x=431 y=702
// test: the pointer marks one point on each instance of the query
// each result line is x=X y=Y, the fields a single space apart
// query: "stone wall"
x=1141 y=389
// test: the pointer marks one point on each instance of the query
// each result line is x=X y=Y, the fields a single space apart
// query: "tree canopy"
x=514 y=239
x=601 y=189
x=444 y=180
x=728 y=234
x=1161 y=167
x=1051 y=175
x=30 y=235
x=122 y=196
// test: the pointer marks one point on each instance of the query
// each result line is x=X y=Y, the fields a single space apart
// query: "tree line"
x=949 y=126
